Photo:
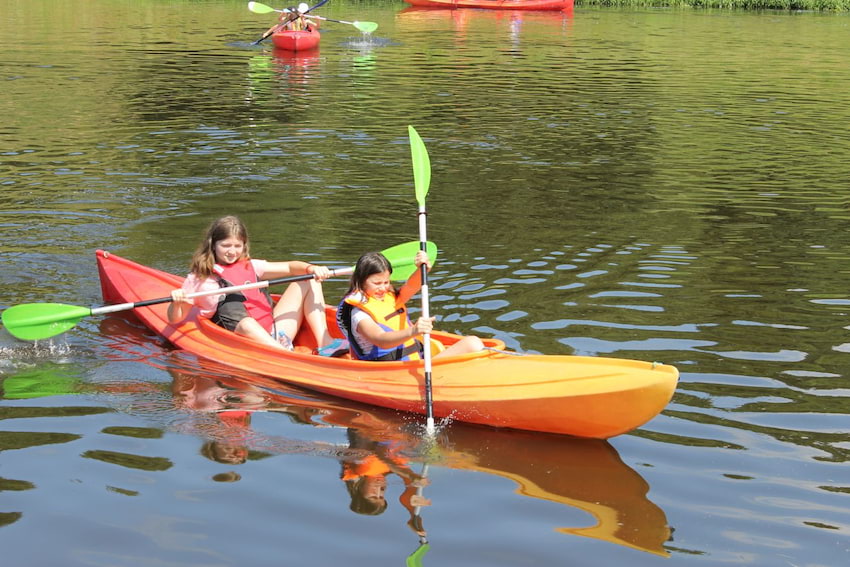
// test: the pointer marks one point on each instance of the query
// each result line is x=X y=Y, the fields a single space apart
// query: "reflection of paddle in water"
x=365 y=472
x=415 y=558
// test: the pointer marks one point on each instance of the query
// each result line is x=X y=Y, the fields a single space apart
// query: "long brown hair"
x=368 y=264
x=220 y=229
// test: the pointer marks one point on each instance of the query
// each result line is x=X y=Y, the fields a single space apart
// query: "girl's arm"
x=272 y=270
x=414 y=283
x=180 y=306
x=372 y=332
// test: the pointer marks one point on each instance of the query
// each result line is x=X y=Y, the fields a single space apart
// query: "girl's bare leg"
x=249 y=327
x=303 y=301
x=466 y=345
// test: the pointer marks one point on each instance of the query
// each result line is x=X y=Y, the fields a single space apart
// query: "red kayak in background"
x=496 y=4
x=302 y=40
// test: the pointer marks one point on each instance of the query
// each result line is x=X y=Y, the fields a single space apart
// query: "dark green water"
x=653 y=184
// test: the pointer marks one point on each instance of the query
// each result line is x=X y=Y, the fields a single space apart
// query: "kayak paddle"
x=365 y=27
x=263 y=9
x=415 y=558
x=402 y=256
x=35 y=321
x=421 y=181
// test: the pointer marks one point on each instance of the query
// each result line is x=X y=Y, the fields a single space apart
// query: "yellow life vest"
x=390 y=315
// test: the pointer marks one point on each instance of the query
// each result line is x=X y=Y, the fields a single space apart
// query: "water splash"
x=22 y=356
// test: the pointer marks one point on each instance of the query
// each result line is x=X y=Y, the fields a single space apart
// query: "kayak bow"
x=302 y=40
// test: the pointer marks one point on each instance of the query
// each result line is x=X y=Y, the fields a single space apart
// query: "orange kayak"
x=302 y=40
x=496 y=4
x=581 y=396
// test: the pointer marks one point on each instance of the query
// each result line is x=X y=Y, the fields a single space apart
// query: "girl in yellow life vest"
x=374 y=317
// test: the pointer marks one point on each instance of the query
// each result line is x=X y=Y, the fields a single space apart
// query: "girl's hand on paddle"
x=178 y=303
x=423 y=325
x=417 y=500
x=422 y=258
x=321 y=273
x=179 y=296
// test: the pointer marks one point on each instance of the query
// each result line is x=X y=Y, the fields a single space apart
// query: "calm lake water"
x=665 y=185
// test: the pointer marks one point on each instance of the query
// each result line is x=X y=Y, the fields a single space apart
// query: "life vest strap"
x=399 y=353
x=396 y=313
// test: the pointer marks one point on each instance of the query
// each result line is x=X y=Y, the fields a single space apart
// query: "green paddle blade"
x=421 y=166
x=415 y=558
x=258 y=8
x=366 y=27
x=403 y=256
x=34 y=321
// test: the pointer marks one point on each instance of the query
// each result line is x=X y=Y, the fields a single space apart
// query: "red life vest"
x=257 y=301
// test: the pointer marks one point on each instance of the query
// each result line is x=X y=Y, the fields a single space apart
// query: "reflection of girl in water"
x=230 y=450
x=365 y=476
x=233 y=408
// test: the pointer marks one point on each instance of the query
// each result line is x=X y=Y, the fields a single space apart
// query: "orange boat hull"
x=582 y=396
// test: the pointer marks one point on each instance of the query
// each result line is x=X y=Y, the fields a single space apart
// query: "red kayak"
x=496 y=4
x=296 y=40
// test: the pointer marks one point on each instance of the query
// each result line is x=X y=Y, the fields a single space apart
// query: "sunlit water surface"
x=651 y=184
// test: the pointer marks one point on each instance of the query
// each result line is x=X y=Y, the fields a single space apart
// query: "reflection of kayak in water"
x=583 y=396
x=582 y=473
x=586 y=474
